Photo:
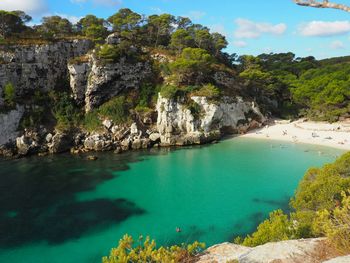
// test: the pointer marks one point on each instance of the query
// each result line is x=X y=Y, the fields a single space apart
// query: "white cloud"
x=240 y=43
x=218 y=28
x=195 y=15
x=250 y=29
x=72 y=19
x=337 y=44
x=324 y=28
x=31 y=7
x=157 y=10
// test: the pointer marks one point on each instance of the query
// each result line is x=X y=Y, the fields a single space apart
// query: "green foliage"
x=324 y=91
x=148 y=95
x=109 y=53
x=91 y=121
x=181 y=39
x=208 y=90
x=159 y=29
x=170 y=92
x=125 y=20
x=12 y=22
x=55 y=26
x=9 y=94
x=65 y=111
x=92 y=27
x=146 y=251
x=276 y=228
x=116 y=109
x=192 y=66
x=336 y=224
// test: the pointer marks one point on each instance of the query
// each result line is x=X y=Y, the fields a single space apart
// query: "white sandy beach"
x=336 y=135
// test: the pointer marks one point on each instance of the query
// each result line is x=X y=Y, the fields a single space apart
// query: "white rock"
x=115 y=129
x=48 y=137
x=133 y=129
x=154 y=137
x=107 y=123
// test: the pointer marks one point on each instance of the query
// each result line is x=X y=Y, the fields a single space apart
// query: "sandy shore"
x=336 y=135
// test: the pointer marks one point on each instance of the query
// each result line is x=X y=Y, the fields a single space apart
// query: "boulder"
x=154 y=137
x=61 y=142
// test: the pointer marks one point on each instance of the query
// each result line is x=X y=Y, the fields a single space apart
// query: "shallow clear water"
x=66 y=209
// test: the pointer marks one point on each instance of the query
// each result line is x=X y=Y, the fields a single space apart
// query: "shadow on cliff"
x=38 y=198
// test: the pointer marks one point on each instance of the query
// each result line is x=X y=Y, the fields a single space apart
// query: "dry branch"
x=322 y=4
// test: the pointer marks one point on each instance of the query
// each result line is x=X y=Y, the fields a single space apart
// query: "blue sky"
x=251 y=26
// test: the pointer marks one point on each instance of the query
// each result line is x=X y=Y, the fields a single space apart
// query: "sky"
x=251 y=26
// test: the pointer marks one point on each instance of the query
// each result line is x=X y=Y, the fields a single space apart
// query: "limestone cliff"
x=177 y=125
x=38 y=67
x=95 y=82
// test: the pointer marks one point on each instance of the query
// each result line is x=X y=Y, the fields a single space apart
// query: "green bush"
x=170 y=92
x=117 y=109
x=146 y=251
x=92 y=121
x=208 y=90
x=65 y=111
x=9 y=94
x=109 y=53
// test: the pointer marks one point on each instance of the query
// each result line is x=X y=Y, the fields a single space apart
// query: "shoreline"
x=336 y=135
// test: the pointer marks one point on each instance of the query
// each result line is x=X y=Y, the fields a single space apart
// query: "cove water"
x=65 y=209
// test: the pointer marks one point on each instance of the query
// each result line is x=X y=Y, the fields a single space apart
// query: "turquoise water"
x=66 y=209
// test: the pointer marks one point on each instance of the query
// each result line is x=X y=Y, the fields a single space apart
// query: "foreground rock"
x=290 y=251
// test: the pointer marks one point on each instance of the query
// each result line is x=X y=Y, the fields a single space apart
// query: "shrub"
x=169 y=91
x=336 y=224
x=65 y=111
x=116 y=109
x=147 y=251
x=109 y=53
x=9 y=94
x=276 y=228
x=209 y=91
x=92 y=121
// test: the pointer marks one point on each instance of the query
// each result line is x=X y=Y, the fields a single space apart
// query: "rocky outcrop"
x=96 y=82
x=177 y=125
x=290 y=251
x=39 y=67
x=78 y=80
x=9 y=122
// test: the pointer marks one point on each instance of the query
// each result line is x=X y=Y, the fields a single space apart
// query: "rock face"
x=96 y=82
x=177 y=124
x=78 y=80
x=291 y=251
x=38 y=66
x=9 y=124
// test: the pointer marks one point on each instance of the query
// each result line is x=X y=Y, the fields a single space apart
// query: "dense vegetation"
x=146 y=251
x=282 y=84
x=320 y=207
